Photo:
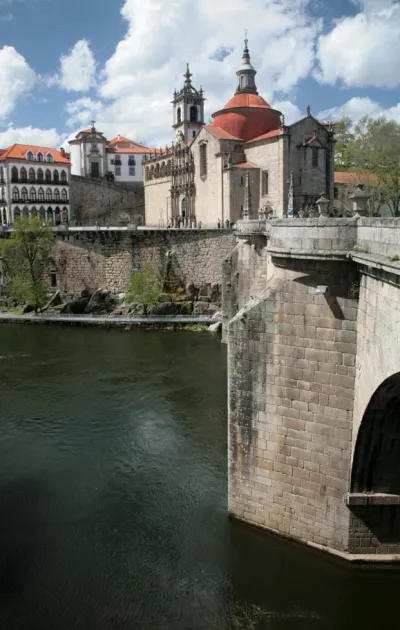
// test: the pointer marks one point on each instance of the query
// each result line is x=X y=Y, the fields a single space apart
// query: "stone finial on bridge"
x=323 y=205
x=247 y=199
x=360 y=199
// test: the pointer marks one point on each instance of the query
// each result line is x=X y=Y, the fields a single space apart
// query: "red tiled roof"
x=19 y=151
x=244 y=165
x=352 y=179
x=247 y=116
x=220 y=133
x=270 y=134
x=123 y=139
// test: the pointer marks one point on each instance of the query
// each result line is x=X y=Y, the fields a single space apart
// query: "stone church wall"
x=158 y=202
x=92 y=259
x=269 y=156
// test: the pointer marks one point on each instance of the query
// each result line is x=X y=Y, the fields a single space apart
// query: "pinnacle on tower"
x=246 y=73
x=188 y=75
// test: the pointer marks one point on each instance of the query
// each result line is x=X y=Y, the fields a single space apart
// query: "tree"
x=145 y=286
x=374 y=155
x=344 y=138
x=26 y=255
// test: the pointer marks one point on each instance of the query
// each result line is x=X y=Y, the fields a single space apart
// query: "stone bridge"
x=312 y=322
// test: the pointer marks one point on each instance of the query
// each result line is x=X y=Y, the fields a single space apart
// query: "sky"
x=66 y=62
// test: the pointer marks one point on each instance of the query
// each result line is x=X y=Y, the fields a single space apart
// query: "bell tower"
x=188 y=110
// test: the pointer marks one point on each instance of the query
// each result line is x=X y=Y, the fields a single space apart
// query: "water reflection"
x=113 y=498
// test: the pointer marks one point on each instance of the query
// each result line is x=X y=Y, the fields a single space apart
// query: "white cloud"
x=291 y=112
x=363 y=50
x=31 y=135
x=16 y=79
x=78 y=68
x=139 y=78
x=7 y=17
x=356 y=108
x=82 y=111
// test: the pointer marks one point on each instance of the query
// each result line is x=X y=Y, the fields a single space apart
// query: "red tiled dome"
x=247 y=116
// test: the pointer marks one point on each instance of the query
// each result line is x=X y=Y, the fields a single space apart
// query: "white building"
x=92 y=155
x=34 y=181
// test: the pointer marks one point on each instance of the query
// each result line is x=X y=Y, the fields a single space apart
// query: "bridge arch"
x=376 y=464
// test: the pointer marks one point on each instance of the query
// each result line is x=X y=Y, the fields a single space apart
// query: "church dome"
x=247 y=115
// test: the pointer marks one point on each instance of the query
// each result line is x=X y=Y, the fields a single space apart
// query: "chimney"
x=62 y=152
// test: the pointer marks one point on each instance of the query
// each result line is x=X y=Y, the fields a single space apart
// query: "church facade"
x=201 y=179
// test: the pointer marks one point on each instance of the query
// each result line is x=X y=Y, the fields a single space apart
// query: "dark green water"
x=113 y=498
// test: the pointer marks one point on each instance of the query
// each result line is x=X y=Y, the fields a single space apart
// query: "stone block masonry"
x=291 y=382
x=92 y=259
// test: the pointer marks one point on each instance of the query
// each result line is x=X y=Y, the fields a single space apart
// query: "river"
x=113 y=498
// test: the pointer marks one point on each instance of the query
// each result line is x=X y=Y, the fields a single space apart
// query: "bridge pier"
x=296 y=358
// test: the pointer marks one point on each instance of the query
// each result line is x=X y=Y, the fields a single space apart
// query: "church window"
x=39 y=156
x=48 y=176
x=14 y=174
x=193 y=113
x=41 y=194
x=179 y=115
x=31 y=175
x=15 y=194
x=29 y=156
x=56 y=195
x=63 y=177
x=56 y=177
x=49 y=158
x=315 y=157
x=40 y=175
x=203 y=160
x=32 y=194
x=24 y=194
x=48 y=194
x=64 y=195
x=264 y=182
x=24 y=175
x=183 y=208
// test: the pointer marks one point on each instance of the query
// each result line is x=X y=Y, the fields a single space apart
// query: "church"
x=201 y=180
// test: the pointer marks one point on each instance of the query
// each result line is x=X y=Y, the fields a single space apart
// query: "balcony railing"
x=41 y=182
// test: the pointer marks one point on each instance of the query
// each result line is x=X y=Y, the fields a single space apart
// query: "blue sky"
x=64 y=62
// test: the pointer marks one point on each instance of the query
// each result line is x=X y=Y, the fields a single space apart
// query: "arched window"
x=193 y=113
x=58 y=216
x=64 y=195
x=31 y=175
x=65 y=215
x=29 y=156
x=32 y=194
x=17 y=214
x=40 y=176
x=48 y=176
x=15 y=194
x=147 y=172
x=56 y=195
x=56 y=177
x=169 y=166
x=14 y=174
x=50 y=215
x=42 y=213
x=63 y=177
x=24 y=194
x=203 y=160
x=183 y=208
x=49 y=158
x=34 y=212
x=162 y=170
x=48 y=195
x=25 y=212
x=39 y=156
x=179 y=115
x=41 y=194
x=157 y=171
x=24 y=176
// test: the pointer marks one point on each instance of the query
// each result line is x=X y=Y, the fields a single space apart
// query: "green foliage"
x=25 y=255
x=395 y=258
x=145 y=286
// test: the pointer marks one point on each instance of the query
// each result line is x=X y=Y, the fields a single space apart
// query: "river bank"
x=111 y=321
